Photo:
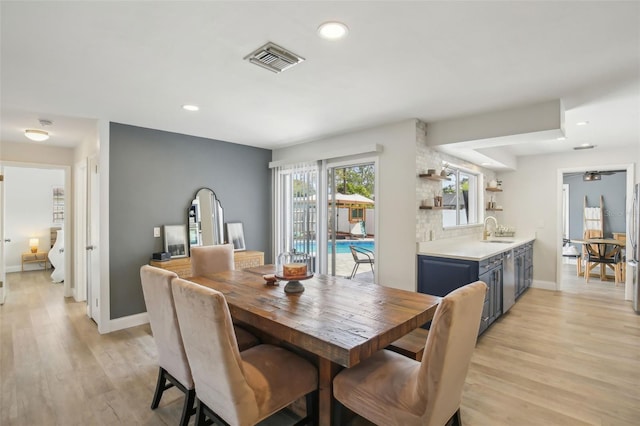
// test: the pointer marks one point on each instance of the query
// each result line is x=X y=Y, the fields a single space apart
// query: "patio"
x=344 y=266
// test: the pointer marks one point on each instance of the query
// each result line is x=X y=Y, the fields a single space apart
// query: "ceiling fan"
x=593 y=175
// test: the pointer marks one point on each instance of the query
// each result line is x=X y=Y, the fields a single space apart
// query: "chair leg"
x=353 y=272
x=200 y=417
x=587 y=272
x=457 y=419
x=337 y=413
x=579 y=266
x=188 y=409
x=161 y=386
x=312 y=408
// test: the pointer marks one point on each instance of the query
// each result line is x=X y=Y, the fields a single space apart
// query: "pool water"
x=342 y=246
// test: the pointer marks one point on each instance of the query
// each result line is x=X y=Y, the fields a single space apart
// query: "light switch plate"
x=156 y=231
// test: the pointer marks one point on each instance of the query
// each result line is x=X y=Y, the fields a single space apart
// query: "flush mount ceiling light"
x=188 y=107
x=333 y=30
x=36 y=135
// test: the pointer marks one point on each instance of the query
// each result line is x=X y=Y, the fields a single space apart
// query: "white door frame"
x=80 y=228
x=68 y=223
x=630 y=169
x=92 y=247
x=3 y=277
x=323 y=200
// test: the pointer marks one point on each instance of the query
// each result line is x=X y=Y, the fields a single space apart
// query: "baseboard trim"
x=128 y=321
x=544 y=285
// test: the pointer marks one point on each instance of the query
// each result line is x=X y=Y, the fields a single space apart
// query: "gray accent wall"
x=611 y=187
x=154 y=175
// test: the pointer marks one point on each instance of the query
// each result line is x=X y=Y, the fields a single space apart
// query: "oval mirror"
x=206 y=219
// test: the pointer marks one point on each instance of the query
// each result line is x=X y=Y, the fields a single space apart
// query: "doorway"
x=36 y=204
x=350 y=194
x=583 y=191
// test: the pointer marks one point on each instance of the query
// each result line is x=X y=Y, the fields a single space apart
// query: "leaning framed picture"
x=175 y=240
x=235 y=235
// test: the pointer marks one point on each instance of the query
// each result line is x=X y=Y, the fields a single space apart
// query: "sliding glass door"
x=350 y=216
x=324 y=208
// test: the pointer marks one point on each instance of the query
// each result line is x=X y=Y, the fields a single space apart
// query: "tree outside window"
x=460 y=198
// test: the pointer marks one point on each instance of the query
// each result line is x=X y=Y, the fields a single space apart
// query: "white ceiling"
x=138 y=62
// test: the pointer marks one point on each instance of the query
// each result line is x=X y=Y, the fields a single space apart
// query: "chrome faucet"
x=485 y=233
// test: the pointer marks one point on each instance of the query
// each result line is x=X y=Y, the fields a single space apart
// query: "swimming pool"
x=342 y=246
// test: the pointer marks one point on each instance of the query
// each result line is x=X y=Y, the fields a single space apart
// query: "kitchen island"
x=504 y=264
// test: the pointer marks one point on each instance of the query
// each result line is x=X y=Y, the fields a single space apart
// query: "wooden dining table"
x=602 y=244
x=340 y=321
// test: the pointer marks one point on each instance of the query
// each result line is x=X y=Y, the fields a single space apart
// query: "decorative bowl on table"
x=294 y=267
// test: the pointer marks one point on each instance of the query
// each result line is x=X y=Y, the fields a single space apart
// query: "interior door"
x=93 y=233
x=80 y=229
x=3 y=282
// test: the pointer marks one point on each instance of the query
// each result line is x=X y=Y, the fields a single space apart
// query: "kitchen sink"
x=498 y=241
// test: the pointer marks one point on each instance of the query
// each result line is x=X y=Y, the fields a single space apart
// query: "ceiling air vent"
x=274 y=58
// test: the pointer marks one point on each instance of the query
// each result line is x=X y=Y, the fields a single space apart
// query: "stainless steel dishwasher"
x=508 y=281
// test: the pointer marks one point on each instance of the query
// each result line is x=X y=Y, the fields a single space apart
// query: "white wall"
x=395 y=199
x=36 y=154
x=532 y=202
x=29 y=211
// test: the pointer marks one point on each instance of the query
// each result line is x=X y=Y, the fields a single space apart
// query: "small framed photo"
x=235 y=235
x=175 y=240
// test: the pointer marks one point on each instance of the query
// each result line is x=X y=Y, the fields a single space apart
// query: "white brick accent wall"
x=429 y=222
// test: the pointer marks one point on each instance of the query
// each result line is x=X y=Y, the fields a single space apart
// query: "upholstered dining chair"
x=392 y=389
x=233 y=387
x=211 y=259
x=218 y=258
x=174 y=367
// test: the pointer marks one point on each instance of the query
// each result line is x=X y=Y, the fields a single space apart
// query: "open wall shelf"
x=433 y=177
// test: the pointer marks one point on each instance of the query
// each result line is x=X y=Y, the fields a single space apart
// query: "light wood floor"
x=557 y=358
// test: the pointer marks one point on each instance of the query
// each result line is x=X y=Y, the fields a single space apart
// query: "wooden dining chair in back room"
x=391 y=389
x=239 y=388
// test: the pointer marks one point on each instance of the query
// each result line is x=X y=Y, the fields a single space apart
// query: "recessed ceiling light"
x=561 y=138
x=333 y=30
x=582 y=123
x=486 y=164
x=36 y=135
x=188 y=107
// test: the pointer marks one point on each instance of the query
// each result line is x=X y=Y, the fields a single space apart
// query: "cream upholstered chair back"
x=156 y=286
x=447 y=354
x=213 y=352
x=211 y=259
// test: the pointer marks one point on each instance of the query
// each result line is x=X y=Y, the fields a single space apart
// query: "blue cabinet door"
x=439 y=276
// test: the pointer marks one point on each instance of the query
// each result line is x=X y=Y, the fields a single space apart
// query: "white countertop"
x=470 y=249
